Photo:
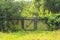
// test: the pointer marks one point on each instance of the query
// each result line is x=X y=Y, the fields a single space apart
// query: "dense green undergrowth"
x=53 y=21
x=47 y=22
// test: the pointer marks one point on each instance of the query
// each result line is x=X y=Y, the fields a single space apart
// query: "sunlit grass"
x=28 y=35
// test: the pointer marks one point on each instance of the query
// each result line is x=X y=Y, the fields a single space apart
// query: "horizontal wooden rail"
x=22 y=21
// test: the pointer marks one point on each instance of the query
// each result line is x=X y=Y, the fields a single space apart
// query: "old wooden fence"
x=22 y=21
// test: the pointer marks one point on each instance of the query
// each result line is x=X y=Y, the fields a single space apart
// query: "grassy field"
x=31 y=35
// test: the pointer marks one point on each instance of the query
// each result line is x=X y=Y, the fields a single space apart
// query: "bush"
x=53 y=21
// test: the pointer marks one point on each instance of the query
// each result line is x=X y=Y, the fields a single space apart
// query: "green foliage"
x=52 y=5
x=35 y=8
x=8 y=9
x=53 y=21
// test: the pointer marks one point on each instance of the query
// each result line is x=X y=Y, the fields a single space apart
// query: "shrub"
x=53 y=21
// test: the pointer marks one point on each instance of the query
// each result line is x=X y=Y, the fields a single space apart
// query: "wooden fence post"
x=35 y=24
x=2 y=25
x=22 y=21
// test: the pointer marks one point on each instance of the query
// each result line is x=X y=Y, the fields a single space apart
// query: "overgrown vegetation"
x=48 y=10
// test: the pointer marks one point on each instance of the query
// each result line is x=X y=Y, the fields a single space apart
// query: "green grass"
x=31 y=35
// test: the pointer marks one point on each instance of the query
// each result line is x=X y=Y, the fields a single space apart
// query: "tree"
x=52 y=5
x=35 y=8
x=9 y=9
